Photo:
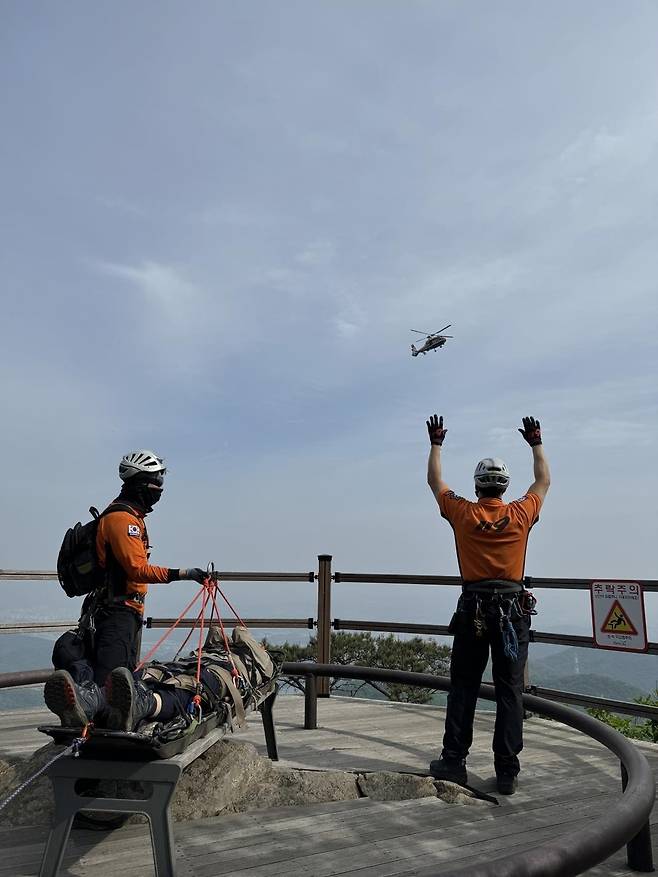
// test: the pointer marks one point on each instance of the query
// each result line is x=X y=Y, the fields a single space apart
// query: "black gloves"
x=531 y=431
x=435 y=429
x=193 y=574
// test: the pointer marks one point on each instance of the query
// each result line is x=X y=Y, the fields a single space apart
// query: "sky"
x=220 y=222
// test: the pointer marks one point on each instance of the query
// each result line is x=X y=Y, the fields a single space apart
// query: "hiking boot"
x=506 y=783
x=75 y=705
x=452 y=770
x=129 y=701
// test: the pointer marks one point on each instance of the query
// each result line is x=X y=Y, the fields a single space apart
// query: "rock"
x=232 y=778
x=295 y=787
x=223 y=774
x=452 y=793
x=34 y=805
x=388 y=786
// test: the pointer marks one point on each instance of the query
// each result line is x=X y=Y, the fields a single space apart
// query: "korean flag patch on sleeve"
x=133 y=530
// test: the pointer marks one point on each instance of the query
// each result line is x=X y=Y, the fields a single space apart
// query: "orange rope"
x=186 y=640
x=230 y=606
x=209 y=589
x=195 y=703
x=203 y=612
x=234 y=669
x=170 y=630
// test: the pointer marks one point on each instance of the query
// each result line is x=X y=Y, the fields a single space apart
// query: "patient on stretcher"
x=230 y=679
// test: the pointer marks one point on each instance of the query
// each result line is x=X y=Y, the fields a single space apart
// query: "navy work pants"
x=470 y=654
x=116 y=641
x=115 y=644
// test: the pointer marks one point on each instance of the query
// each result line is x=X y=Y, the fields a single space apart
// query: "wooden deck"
x=567 y=780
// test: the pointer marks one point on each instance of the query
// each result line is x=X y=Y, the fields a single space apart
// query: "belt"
x=492 y=587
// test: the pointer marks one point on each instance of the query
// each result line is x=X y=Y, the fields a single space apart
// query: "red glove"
x=435 y=429
x=531 y=431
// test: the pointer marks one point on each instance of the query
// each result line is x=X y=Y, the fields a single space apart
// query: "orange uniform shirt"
x=126 y=537
x=491 y=535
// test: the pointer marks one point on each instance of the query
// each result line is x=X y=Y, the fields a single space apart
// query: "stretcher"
x=163 y=739
x=136 y=757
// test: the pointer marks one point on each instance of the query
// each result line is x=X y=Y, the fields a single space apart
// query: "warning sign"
x=617 y=621
x=618 y=616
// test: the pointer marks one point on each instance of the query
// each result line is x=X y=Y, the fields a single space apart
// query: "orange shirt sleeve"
x=528 y=507
x=123 y=532
x=451 y=505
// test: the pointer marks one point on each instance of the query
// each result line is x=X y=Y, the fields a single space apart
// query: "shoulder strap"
x=120 y=507
x=234 y=694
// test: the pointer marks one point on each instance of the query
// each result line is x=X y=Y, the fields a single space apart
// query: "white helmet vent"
x=141 y=462
x=491 y=472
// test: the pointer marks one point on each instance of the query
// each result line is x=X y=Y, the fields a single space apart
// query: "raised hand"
x=435 y=430
x=531 y=431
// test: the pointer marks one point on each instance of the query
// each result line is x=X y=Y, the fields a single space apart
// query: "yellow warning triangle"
x=617 y=621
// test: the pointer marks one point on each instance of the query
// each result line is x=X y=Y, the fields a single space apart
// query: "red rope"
x=170 y=630
x=206 y=590
x=234 y=670
x=186 y=640
x=230 y=606
x=209 y=588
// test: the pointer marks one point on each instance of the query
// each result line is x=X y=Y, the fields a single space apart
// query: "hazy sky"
x=220 y=222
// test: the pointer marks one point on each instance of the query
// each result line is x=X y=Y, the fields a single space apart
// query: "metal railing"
x=324 y=579
x=626 y=822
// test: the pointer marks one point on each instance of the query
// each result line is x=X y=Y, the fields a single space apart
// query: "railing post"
x=324 y=620
x=639 y=854
x=310 y=702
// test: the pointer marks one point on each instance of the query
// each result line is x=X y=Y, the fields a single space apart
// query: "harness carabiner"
x=81 y=740
x=194 y=706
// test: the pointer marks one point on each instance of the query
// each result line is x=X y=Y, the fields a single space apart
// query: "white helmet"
x=141 y=462
x=491 y=472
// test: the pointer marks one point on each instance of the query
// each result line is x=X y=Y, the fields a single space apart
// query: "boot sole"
x=59 y=694
x=119 y=693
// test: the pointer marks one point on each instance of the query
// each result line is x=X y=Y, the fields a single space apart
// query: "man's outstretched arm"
x=531 y=432
x=436 y=433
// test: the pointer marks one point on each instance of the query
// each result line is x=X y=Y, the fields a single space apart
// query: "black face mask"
x=143 y=493
x=155 y=494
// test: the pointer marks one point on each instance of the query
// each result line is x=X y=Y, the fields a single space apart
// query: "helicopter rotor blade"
x=444 y=328
x=420 y=333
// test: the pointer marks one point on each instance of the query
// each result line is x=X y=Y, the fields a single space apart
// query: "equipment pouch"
x=528 y=601
x=462 y=619
x=69 y=648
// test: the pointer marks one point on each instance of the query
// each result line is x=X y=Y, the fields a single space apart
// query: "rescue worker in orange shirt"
x=116 y=611
x=494 y=609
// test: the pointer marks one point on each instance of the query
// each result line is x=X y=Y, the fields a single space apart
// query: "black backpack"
x=78 y=569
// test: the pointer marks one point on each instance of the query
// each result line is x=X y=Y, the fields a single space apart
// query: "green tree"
x=630 y=726
x=365 y=650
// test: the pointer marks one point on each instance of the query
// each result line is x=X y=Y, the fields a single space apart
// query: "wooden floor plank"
x=566 y=779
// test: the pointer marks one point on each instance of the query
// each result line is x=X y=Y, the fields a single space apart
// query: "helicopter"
x=433 y=341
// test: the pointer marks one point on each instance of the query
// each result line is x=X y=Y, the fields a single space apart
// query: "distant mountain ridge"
x=637 y=672
x=596 y=672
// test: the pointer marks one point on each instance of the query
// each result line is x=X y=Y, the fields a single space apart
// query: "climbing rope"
x=72 y=749
x=234 y=671
x=207 y=591
x=230 y=605
x=187 y=638
x=171 y=629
